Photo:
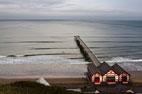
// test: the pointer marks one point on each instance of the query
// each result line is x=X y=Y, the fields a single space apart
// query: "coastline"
x=65 y=75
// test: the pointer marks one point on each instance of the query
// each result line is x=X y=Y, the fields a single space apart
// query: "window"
x=110 y=79
x=124 y=78
x=97 y=79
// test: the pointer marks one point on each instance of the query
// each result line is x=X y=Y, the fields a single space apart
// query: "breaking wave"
x=121 y=59
x=45 y=59
x=127 y=63
x=2 y=56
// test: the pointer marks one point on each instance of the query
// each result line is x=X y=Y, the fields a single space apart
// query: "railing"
x=86 y=51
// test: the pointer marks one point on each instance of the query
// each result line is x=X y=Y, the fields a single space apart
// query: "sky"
x=71 y=9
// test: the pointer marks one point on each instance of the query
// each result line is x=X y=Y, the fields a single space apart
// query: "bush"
x=24 y=87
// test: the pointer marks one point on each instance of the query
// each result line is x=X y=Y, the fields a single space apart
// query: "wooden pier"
x=86 y=51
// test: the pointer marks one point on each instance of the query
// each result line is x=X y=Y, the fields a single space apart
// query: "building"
x=107 y=74
x=124 y=76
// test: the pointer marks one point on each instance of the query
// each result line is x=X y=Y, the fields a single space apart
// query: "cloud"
x=27 y=5
x=49 y=2
x=46 y=8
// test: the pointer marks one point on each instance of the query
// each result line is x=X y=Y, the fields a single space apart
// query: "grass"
x=25 y=87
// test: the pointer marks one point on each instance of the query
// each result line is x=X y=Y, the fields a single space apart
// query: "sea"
x=52 y=41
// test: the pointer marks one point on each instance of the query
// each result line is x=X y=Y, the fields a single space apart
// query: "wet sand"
x=46 y=70
x=136 y=76
x=66 y=75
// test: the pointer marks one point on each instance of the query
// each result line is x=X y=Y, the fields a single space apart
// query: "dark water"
x=109 y=40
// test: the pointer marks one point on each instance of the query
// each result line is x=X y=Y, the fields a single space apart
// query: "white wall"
x=110 y=73
x=124 y=74
x=97 y=75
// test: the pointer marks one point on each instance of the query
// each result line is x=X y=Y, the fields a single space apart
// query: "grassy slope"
x=25 y=87
x=32 y=88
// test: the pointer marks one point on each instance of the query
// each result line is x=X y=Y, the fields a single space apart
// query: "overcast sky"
x=85 y=9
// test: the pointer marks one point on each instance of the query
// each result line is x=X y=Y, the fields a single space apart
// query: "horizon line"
x=67 y=20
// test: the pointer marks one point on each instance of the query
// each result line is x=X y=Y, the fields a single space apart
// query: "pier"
x=88 y=54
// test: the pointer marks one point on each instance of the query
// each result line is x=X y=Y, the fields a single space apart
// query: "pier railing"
x=86 y=51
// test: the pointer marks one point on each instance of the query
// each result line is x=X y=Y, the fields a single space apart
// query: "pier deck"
x=87 y=51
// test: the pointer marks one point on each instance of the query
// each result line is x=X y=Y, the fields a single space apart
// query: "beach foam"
x=127 y=63
x=38 y=60
x=121 y=59
x=2 y=56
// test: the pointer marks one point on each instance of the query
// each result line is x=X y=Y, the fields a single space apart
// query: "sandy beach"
x=71 y=75
x=136 y=76
x=55 y=74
